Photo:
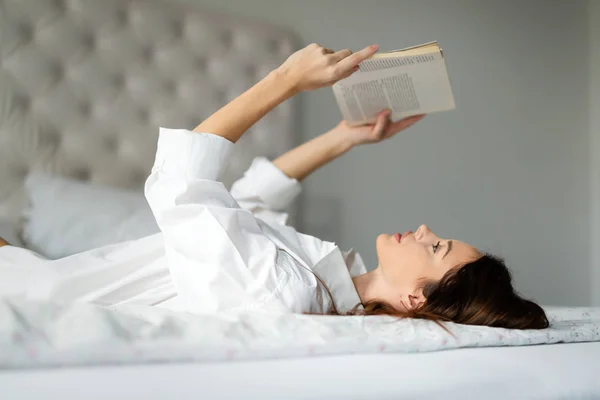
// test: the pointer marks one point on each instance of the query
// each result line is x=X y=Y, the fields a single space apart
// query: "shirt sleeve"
x=218 y=256
x=266 y=191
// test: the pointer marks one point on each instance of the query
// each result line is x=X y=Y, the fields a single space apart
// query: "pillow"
x=66 y=216
x=8 y=232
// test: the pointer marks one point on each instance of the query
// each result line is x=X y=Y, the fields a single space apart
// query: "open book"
x=409 y=81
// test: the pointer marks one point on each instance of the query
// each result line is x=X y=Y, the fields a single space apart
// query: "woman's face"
x=408 y=260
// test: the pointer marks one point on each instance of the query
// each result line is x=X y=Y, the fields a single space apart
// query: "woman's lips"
x=398 y=237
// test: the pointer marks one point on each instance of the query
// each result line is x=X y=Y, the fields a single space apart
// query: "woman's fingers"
x=403 y=124
x=379 y=129
x=315 y=66
x=352 y=60
x=347 y=74
x=340 y=58
x=340 y=55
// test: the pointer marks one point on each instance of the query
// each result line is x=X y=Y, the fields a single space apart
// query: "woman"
x=223 y=257
x=232 y=252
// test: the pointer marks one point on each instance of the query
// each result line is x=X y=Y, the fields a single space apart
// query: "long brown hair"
x=479 y=293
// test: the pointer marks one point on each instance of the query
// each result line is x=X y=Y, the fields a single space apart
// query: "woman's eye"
x=435 y=247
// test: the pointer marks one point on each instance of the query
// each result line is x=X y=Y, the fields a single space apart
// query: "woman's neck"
x=369 y=286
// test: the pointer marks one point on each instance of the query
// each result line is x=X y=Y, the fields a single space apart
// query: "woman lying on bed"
x=230 y=251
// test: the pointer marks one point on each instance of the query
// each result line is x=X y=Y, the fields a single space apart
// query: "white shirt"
x=224 y=251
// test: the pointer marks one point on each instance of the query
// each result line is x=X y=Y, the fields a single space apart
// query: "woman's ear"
x=416 y=299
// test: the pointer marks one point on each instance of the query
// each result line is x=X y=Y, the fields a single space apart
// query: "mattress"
x=68 y=351
x=559 y=371
x=39 y=334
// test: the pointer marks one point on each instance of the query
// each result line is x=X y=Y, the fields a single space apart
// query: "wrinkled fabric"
x=223 y=257
x=227 y=251
x=47 y=334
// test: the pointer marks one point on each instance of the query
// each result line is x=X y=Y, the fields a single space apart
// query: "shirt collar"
x=354 y=263
x=336 y=271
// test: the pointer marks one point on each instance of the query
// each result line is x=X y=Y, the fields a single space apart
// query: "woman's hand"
x=314 y=66
x=307 y=158
x=374 y=133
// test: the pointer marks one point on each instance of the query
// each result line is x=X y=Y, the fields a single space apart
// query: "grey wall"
x=507 y=171
x=594 y=26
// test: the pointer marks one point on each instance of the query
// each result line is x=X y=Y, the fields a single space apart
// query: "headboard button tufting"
x=111 y=144
x=82 y=174
x=89 y=41
x=200 y=64
x=87 y=84
x=22 y=103
x=50 y=138
x=122 y=16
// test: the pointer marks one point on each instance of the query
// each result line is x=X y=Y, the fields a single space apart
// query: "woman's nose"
x=422 y=231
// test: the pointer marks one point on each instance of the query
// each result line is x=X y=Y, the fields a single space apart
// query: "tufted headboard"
x=85 y=84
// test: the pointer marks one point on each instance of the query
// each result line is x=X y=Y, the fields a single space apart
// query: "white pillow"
x=65 y=216
x=8 y=232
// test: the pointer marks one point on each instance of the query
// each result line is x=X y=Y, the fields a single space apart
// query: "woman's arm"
x=219 y=257
x=309 y=68
x=235 y=118
x=305 y=159
x=268 y=188
x=310 y=156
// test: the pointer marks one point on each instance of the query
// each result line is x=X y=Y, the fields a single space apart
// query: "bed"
x=539 y=372
x=84 y=86
x=145 y=351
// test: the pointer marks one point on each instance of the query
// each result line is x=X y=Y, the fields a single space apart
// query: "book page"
x=430 y=47
x=374 y=64
x=408 y=86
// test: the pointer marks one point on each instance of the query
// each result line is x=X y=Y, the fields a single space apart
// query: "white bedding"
x=8 y=232
x=65 y=216
x=43 y=334
x=546 y=372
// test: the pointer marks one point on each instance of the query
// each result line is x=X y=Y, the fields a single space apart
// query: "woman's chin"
x=381 y=241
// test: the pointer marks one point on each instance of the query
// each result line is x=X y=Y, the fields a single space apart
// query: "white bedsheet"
x=546 y=372
x=44 y=334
